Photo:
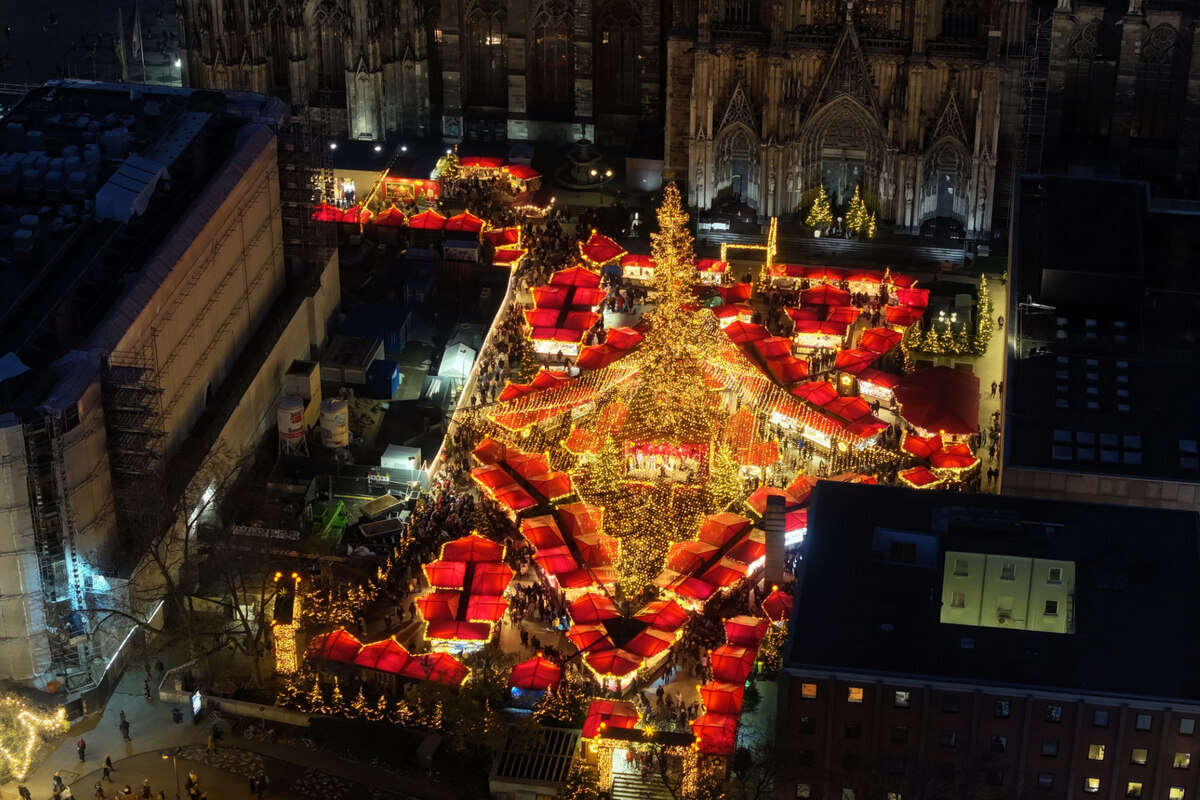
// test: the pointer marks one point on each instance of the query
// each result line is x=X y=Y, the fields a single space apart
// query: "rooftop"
x=858 y=609
x=95 y=179
x=1104 y=374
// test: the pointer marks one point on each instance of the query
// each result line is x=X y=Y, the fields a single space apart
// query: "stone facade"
x=364 y=62
x=900 y=97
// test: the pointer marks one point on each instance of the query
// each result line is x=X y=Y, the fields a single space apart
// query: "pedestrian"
x=1000 y=322
x=146 y=788
x=125 y=729
x=81 y=746
x=253 y=784
x=22 y=789
x=212 y=745
x=99 y=791
x=123 y=720
x=264 y=783
x=58 y=783
x=108 y=770
x=993 y=388
x=146 y=689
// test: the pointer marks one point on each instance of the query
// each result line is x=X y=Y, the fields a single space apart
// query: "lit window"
x=958 y=600
x=1139 y=755
x=855 y=694
x=1182 y=760
x=1100 y=719
x=960 y=567
x=808 y=690
x=1055 y=575
x=894 y=796
x=1050 y=748
x=1143 y=722
x=1045 y=780
x=1001 y=709
x=1051 y=608
x=1096 y=752
x=903 y=699
x=1175 y=793
x=1187 y=726
x=1133 y=789
x=1053 y=713
x=847 y=793
x=1008 y=572
x=803 y=790
x=1091 y=785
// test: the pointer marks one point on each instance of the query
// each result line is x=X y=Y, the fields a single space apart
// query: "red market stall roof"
x=556 y=560
x=327 y=213
x=522 y=172
x=778 y=605
x=877 y=377
x=742 y=332
x=688 y=556
x=850 y=409
x=623 y=338
x=592 y=608
x=722 y=698
x=503 y=237
x=356 y=215
x=844 y=314
x=721 y=528
x=507 y=257
x=902 y=316
x=773 y=346
x=609 y=714
x=446 y=574
x=486 y=608
x=787 y=369
x=650 y=642
x=615 y=662
x=491 y=579
x=542 y=532
x=712 y=265
x=854 y=360
x=716 y=734
x=580 y=519
x=879 y=340
x=439 y=605
x=684 y=585
x=592 y=638
x=480 y=162
x=637 y=260
x=536 y=674
x=920 y=478
x=900 y=279
x=428 y=220
x=825 y=295
x=913 y=298
x=473 y=547
x=576 y=276
x=745 y=631
x=921 y=446
x=731 y=663
x=391 y=217
x=865 y=277
x=819 y=393
x=438 y=667
x=466 y=222
x=724 y=573
x=735 y=292
x=826 y=328
x=955 y=457
x=457 y=631
x=824 y=274
x=940 y=399
x=386 y=655
x=800 y=489
x=665 y=615
x=732 y=310
x=598 y=250
x=338 y=646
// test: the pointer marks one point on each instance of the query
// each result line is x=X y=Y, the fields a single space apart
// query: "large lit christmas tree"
x=820 y=216
x=858 y=219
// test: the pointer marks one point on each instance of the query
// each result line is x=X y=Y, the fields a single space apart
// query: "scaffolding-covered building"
x=143 y=239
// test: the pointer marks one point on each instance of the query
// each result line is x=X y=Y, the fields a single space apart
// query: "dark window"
x=741 y=12
x=1001 y=709
x=948 y=739
x=1091 y=73
x=995 y=777
x=618 y=57
x=903 y=552
x=331 y=54
x=1053 y=713
x=550 y=68
x=999 y=744
x=1160 y=86
x=951 y=704
x=853 y=730
x=487 y=80
x=1045 y=780
x=805 y=758
x=900 y=734
x=280 y=77
x=1050 y=748
x=960 y=19
x=808 y=724
x=1100 y=719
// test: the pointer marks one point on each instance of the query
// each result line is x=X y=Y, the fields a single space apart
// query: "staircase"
x=628 y=786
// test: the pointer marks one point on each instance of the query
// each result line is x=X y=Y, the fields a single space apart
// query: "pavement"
x=295 y=768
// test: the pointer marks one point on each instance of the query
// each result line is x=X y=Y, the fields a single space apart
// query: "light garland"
x=20 y=757
x=284 y=633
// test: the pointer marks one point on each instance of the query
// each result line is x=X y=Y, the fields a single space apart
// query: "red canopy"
x=825 y=295
x=879 y=340
x=438 y=667
x=338 y=646
x=718 y=529
x=712 y=265
x=865 y=277
x=758 y=500
x=327 y=213
x=734 y=293
x=491 y=579
x=556 y=560
x=592 y=608
x=665 y=615
x=489 y=451
x=920 y=478
x=716 y=734
x=843 y=314
x=637 y=260
x=921 y=446
x=850 y=409
x=592 y=638
x=824 y=274
x=486 y=608
x=623 y=338
x=522 y=172
x=818 y=393
x=884 y=380
x=610 y=714
x=386 y=655
x=691 y=588
x=597 y=356
x=732 y=310
x=903 y=316
x=466 y=222
x=773 y=346
x=507 y=256
x=787 y=369
x=940 y=399
x=650 y=642
x=725 y=572
x=575 y=276
x=502 y=237
x=428 y=220
x=439 y=605
x=854 y=360
x=356 y=214
x=801 y=488
x=391 y=217
x=722 y=698
x=580 y=518
x=732 y=664
x=446 y=574
x=745 y=631
x=480 y=162
x=687 y=557
x=953 y=457
x=599 y=249
x=742 y=332
x=457 y=631
x=914 y=298
x=473 y=548
x=615 y=662
x=777 y=605
x=536 y=674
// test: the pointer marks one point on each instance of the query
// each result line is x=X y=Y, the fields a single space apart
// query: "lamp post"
x=175 y=762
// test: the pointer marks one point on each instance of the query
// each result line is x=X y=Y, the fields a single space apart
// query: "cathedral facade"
x=769 y=100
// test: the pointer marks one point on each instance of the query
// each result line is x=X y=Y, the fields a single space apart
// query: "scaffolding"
x=1035 y=85
x=305 y=180
x=133 y=419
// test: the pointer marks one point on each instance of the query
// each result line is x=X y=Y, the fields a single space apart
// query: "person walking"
x=81 y=747
x=108 y=763
x=125 y=729
x=108 y=770
x=146 y=788
x=99 y=790
x=24 y=792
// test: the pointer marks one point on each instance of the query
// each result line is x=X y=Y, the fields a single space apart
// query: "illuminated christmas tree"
x=857 y=217
x=450 y=165
x=316 y=697
x=871 y=226
x=358 y=706
x=820 y=216
x=337 y=704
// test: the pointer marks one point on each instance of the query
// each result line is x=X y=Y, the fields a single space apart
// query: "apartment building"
x=947 y=646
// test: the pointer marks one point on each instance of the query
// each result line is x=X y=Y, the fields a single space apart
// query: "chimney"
x=774 y=523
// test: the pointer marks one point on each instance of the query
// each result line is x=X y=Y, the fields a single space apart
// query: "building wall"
x=906 y=93
x=1116 y=490
x=942 y=745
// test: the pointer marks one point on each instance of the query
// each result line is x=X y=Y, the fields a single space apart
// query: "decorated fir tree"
x=857 y=218
x=402 y=713
x=770 y=654
x=358 y=706
x=337 y=703
x=315 y=701
x=451 y=169
x=962 y=342
x=820 y=216
x=983 y=318
x=871 y=226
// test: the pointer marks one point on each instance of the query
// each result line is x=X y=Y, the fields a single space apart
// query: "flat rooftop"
x=1105 y=371
x=94 y=178
x=1135 y=571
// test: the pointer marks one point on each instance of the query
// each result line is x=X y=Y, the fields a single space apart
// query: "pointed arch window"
x=1160 y=86
x=618 y=57
x=487 y=78
x=331 y=53
x=550 y=67
x=278 y=43
x=960 y=19
x=1090 y=84
x=741 y=12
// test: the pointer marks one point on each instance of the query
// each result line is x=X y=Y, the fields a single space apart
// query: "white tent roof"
x=457 y=362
